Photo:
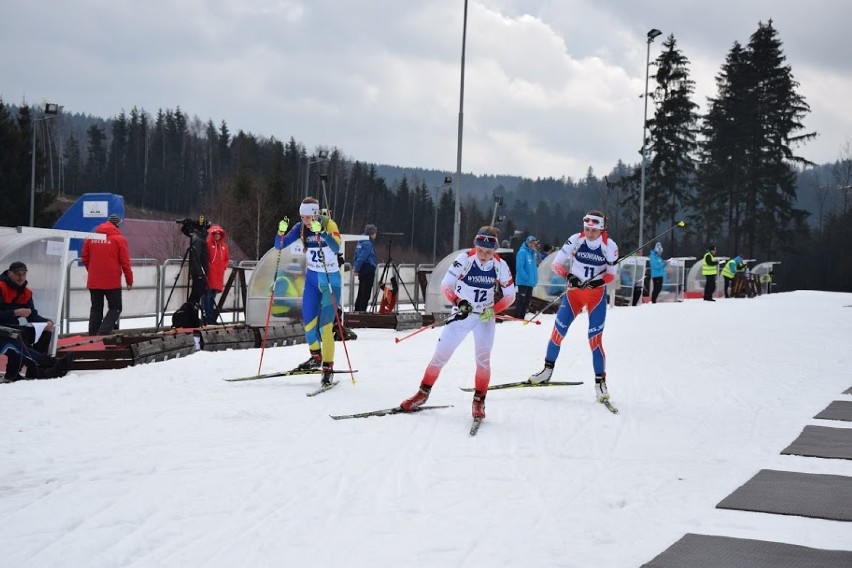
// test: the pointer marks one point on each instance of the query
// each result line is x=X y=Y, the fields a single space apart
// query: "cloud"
x=551 y=88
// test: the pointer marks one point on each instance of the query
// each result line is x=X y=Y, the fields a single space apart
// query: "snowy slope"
x=168 y=465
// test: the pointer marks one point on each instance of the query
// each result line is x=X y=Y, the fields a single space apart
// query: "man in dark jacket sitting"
x=17 y=313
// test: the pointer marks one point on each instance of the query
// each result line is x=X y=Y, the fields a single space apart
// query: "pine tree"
x=14 y=174
x=96 y=164
x=747 y=179
x=672 y=134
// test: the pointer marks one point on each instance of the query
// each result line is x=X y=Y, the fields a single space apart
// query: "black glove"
x=464 y=309
x=595 y=283
x=575 y=282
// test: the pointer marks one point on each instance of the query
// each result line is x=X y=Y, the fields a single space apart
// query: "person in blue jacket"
x=658 y=270
x=526 y=274
x=364 y=266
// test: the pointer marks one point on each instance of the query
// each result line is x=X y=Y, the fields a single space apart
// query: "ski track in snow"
x=167 y=465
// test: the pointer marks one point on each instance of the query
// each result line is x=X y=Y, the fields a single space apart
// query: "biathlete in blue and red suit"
x=321 y=241
x=588 y=261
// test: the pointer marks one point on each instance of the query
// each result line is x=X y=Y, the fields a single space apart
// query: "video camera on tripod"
x=391 y=268
x=189 y=226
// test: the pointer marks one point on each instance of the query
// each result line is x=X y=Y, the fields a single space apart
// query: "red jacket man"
x=106 y=261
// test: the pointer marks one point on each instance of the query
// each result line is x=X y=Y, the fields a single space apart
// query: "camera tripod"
x=191 y=286
x=389 y=266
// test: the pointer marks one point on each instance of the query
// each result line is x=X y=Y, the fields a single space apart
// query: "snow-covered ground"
x=168 y=465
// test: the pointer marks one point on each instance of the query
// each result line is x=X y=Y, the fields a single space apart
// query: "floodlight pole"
x=448 y=181
x=51 y=110
x=457 y=180
x=322 y=155
x=651 y=35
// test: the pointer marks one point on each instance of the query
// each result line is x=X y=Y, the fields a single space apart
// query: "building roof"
x=161 y=240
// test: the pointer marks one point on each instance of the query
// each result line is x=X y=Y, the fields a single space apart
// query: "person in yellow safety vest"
x=287 y=297
x=709 y=269
x=767 y=280
x=729 y=271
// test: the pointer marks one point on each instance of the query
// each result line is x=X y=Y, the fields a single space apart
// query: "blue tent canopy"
x=89 y=211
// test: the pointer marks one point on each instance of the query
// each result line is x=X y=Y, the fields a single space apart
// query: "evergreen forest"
x=737 y=176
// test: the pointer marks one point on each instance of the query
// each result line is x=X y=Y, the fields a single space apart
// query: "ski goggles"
x=593 y=222
x=485 y=241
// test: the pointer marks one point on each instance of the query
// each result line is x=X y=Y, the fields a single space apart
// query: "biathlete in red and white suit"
x=470 y=284
x=591 y=257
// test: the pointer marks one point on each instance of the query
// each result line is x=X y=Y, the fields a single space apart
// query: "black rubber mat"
x=791 y=493
x=837 y=410
x=702 y=551
x=822 y=442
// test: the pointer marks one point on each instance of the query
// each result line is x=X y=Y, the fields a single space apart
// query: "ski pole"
x=269 y=309
x=512 y=318
x=534 y=319
x=660 y=236
x=444 y=321
x=334 y=304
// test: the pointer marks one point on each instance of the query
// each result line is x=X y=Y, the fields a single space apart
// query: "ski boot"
x=416 y=401
x=327 y=374
x=315 y=362
x=600 y=388
x=478 y=407
x=544 y=375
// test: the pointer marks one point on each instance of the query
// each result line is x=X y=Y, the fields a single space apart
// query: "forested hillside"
x=738 y=176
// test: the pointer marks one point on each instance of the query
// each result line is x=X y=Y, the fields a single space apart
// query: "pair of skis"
x=294 y=372
x=477 y=422
x=474 y=428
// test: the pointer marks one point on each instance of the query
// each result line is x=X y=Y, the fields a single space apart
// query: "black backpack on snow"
x=186 y=317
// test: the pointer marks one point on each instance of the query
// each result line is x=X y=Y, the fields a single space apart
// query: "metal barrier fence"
x=409 y=281
x=161 y=288
x=158 y=290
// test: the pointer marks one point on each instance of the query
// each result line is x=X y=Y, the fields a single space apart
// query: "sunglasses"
x=487 y=241
x=19 y=272
x=591 y=221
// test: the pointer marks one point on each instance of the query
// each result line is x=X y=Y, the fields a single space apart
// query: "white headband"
x=593 y=222
x=309 y=209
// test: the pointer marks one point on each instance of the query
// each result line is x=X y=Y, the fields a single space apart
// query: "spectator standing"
x=591 y=256
x=364 y=266
x=469 y=284
x=198 y=261
x=526 y=274
x=658 y=271
x=105 y=262
x=709 y=269
x=289 y=288
x=321 y=241
x=730 y=270
x=218 y=259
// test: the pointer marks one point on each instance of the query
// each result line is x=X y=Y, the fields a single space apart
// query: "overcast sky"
x=552 y=87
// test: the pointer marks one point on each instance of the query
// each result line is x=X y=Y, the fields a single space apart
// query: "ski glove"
x=316 y=226
x=464 y=309
x=487 y=315
x=595 y=283
x=282 y=225
x=575 y=282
